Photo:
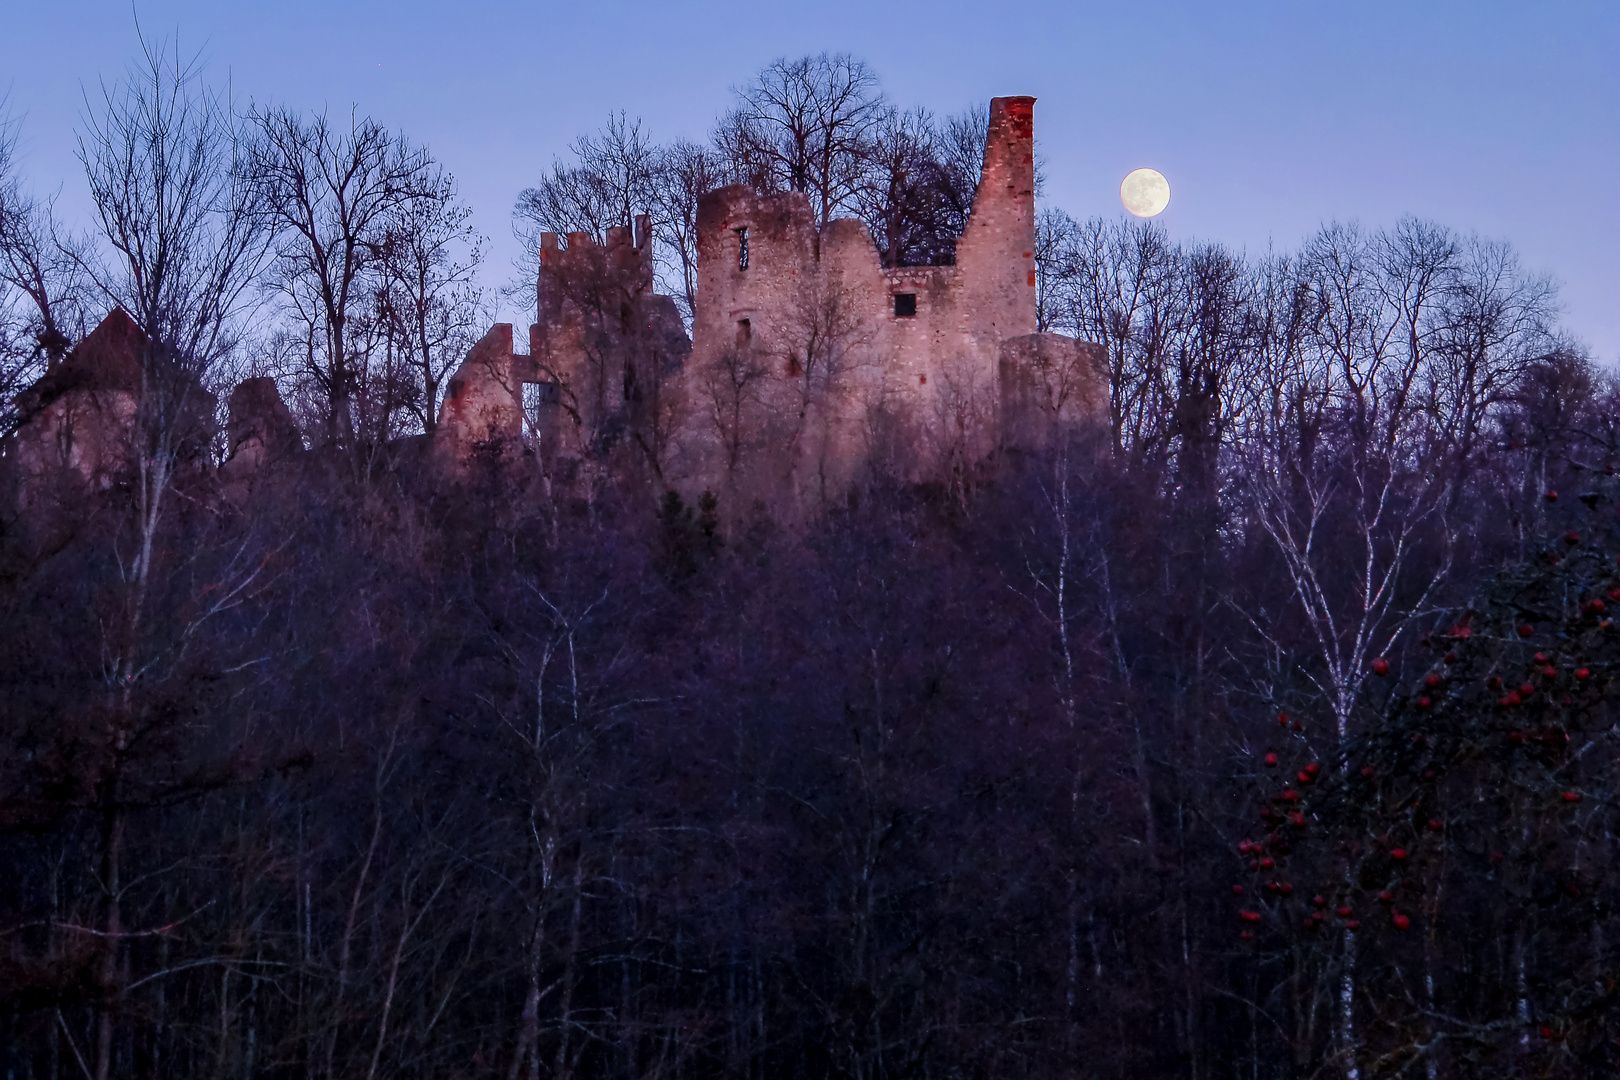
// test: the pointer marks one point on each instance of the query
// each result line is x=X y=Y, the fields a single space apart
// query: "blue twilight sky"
x=1500 y=117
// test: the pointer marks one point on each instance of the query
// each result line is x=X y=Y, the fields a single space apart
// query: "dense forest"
x=1265 y=728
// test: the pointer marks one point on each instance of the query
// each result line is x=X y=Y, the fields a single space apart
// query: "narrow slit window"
x=536 y=396
x=905 y=304
x=742 y=247
x=745 y=333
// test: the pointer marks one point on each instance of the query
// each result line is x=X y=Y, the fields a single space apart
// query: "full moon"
x=1145 y=192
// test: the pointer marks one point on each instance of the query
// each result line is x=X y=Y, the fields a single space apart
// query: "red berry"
x=1271 y=759
x=1572 y=796
x=1290 y=795
x=1282 y=719
x=1402 y=922
x=1319 y=901
x=1435 y=824
x=1583 y=673
x=1247 y=936
x=1572 y=537
x=1526 y=690
x=1511 y=699
x=1614 y=594
x=1267 y=863
x=1297 y=818
x=1304 y=777
x=1552 y=496
x=1549 y=672
x=1423 y=703
x=1353 y=924
x=1451 y=658
x=1237 y=890
x=1540 y=658
x=1380 y=667
x=1385 y=898
x=1249 y=916
x=1432 y=681
x=1527 y=630
x=1313 y=768
x=1367 y=772
x=1398 y=853
x=1344 y=912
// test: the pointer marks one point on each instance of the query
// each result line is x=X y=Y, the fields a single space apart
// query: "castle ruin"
x=808 y=361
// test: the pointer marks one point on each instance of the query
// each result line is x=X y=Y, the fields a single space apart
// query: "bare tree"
x=431 y=307
x=685 y=172
x=614 y=177
x=810 y=123
x=41 y=289
x=331 y=194
x=732 y=388
x=1352 y=477
x=959 y=155
x=1494 y=322
x=182 y=240
x=825 y=326
x=903 y=200
x=1057 y=269
x=1117 y=284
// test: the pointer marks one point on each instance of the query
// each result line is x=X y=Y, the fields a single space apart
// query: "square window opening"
x=905 y=304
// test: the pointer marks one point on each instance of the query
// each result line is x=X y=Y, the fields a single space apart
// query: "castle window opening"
x=535 y=396
x=905 y=304
x=745 y=333
x=742 y=247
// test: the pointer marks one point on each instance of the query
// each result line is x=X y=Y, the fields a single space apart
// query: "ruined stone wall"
x=921 y=387
x=93 y=414
x=606 y=348
x=483 y=399
x=80 y=417
x=807 y=359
